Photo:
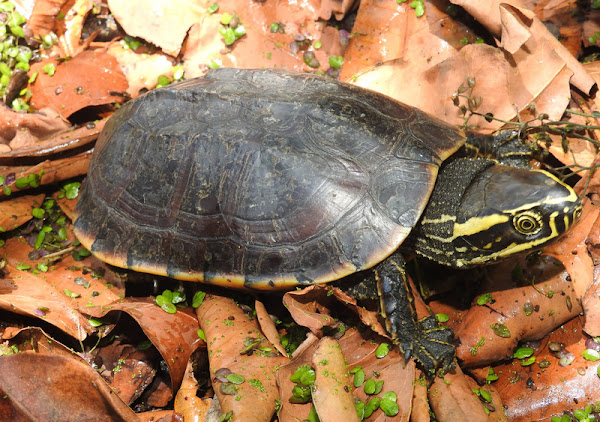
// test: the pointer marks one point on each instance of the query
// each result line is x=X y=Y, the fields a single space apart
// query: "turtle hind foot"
x=431 y=346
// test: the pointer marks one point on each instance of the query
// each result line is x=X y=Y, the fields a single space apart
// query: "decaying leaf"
x=452 y=399
x=17 y=212
x=174 y=335
x=531 y=393
x=186 y=403
x=88 y=79
x=235 y=343
x=58 y=385
x=332 y=395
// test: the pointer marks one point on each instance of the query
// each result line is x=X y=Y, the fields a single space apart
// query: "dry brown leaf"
x=289 y=411
x=59 y=142
x=267 y=326
x=43 y=16
x=187 y=403
x=164 y=24
x=518 y=27
x=452 y=399
x=174 y=335
x=18 y=129
x=52 y=171
x=226 y=327
x=398 y=375
x=17 y=211
x=332 y=393
x=311 y=308
x=58 y=388
x=71 y=25
x=43 y=295
x=392 y=49
x=532 y=394
x=135 y=372
x=534 y=73
x=337 y=8
x=259 y=47
x=159 y=416
x=141 y=69
x=420 y=403
x=88 y=79
x=358 y=349
x=480 y=345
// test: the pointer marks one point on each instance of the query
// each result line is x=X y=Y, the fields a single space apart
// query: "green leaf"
x=500 y=330
x=591 y=355
x=484 y=298
x=169 y=308
x=38 y=212
x=336 y=61
x=49 y=69
x=382 y=350
x=372 y=406
x=236 y=378
x=389 y=407
x=359 y=378
x=72 y=190
x=369 y=386
x=198 y=299
x=213 y=8
x=301 y=373
x=523 y=352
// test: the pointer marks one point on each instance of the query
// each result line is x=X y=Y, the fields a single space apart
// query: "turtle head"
x=500 y=211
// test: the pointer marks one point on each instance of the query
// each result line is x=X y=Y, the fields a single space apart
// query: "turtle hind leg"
x=425 y=339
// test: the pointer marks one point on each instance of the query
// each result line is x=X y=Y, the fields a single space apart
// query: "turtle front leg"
x=425 y=339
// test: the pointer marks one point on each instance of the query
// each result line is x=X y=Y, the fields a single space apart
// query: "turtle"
x=268 y=179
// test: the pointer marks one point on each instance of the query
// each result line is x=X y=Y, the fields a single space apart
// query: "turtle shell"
x=259 y=179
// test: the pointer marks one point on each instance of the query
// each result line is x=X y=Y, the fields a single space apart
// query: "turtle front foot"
x=425 y=339
x=431 y=345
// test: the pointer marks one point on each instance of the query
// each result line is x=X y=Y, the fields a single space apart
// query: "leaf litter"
x=418 y=60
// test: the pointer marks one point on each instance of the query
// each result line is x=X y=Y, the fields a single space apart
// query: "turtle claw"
x=432 y=346
x=407 y=352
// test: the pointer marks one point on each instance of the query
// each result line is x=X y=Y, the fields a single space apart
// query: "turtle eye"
x=527 y=223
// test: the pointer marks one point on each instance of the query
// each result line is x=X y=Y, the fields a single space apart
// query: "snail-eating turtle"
x=265 y=179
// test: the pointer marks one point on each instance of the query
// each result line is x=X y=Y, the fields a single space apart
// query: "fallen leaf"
x=88 y=79
x=174 y=335
x=43 y=16
x=74 y=137
x=332 y=393
x=56 y=388
x=17 y=211
x=165 y=24
x=36 y=126
x=311 y=307
x=572 y=251
x=43 y=295
x=534 y=394
x=187 y=403
x=261 y=46
x=226 y=327
x=267 y=326
x=452 y=399
x=517 y=26
x=526 y=312
x=52 y=171
x=420 y=402
x=358 y=349
x=141 y=69
x=135 y=372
